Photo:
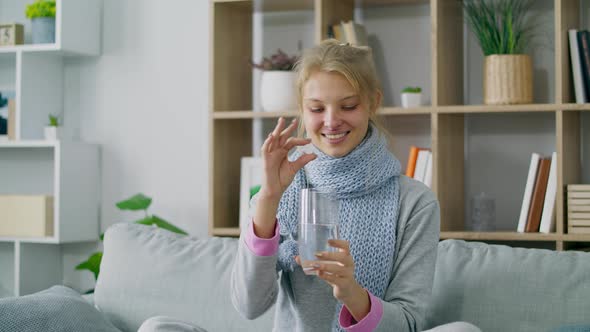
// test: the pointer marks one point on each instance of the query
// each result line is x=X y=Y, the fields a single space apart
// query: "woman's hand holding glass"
x=337 y=269
x=278 y=173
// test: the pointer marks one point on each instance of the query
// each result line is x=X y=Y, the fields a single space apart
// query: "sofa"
x=149 y=271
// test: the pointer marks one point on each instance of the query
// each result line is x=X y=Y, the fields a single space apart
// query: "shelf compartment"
x=38 y=267
x=232 y=82
x=68 y=171
x=233 y=141
x=497 y=159
x=77 y=27
x=402 y=33
x=405 y=131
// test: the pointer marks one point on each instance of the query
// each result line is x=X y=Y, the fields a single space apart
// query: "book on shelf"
x=579 y=222
x=548 y=216
x=422 y=164
x=528 y=192
x=579 y=230
x=428 y=173
x=578 y=194
x=578 y=187
x=536 y=207
x=577 y=201
x=411 y=166
x=580 y=91
x=349 y=32
x=584 y=53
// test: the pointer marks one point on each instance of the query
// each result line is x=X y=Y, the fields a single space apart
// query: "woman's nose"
x=332 y=118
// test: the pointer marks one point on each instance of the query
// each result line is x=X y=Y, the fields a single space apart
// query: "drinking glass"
x=318 y=222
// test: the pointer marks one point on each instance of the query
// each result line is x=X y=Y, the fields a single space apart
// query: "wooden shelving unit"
x=231 y=112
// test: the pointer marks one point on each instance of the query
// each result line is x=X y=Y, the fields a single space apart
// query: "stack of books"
x=578 y=208
x=537 y=213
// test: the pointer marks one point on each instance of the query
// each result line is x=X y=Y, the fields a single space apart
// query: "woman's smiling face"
x=334 y=115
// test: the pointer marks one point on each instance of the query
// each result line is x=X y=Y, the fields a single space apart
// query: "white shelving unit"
x=65 y=169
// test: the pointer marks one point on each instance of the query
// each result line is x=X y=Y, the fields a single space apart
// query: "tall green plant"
x=138 y=202
x=500 y=26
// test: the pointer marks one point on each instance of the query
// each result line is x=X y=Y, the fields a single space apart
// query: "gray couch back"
x=499 y=288
x=148 y=271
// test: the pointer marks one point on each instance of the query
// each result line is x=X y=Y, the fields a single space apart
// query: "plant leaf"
x=92 y=264
x=135 y=203
x=155 y=220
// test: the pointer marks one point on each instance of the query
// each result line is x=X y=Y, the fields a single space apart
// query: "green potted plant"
x=277 y=87
x=52 y=129
x=138 y=202
x=42 y=16
x=411 y=96
x=503 y=29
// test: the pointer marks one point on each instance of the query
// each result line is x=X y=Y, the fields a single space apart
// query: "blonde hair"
x=354 y=63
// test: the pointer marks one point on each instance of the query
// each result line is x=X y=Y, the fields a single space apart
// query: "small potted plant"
x=277 y=87
x=411 y=97
x=52 y=129
x=42 y=16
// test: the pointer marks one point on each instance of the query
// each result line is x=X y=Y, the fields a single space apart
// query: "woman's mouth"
x=336 y=138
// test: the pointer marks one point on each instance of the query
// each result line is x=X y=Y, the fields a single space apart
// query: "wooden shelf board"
x=28 y=144
x=282 y=5
x=576 y=237
x=500 y=236
x=452 y=109
x=496 y=108
x=371 y=3
x=252 y=115
x=274 y=5
x=226 y=231
x=405 y=111
x=29 y=239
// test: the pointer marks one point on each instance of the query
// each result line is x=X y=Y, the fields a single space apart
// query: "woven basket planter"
x=508 y=79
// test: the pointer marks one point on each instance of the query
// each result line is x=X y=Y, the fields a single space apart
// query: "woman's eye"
x=316 y=110
x=349 y=108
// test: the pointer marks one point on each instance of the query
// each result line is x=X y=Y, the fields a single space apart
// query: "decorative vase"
x=411 y=99
x=508 y=79
x=52 y=133
x=43 y=30
x=277 y=91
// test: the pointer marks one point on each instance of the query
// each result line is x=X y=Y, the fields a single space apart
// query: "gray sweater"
x=306 y=303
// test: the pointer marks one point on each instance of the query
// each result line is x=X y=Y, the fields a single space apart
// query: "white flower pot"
x=277 y=91
x=52 y=133
x=411 y=99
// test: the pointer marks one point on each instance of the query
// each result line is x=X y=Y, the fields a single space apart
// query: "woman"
x=389 y=224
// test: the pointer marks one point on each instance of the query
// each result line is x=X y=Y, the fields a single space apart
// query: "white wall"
x=145 y=101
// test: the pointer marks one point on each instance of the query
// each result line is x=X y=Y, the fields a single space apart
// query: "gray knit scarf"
x=366 y=182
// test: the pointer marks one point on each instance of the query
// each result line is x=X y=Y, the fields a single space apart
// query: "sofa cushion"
x=147 y=271
x=499 y=288
x=55 y=309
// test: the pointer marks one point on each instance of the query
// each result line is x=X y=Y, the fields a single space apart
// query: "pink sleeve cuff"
x=368 y=323
x=260 y=246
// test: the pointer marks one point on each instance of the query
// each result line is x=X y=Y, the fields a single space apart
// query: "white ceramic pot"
x=52 y=133
x=411 y=99
x=277 y=91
